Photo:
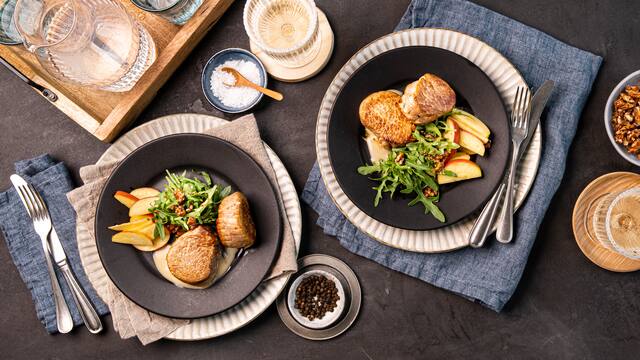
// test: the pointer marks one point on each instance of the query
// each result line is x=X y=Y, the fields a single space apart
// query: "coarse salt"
x=235 y=96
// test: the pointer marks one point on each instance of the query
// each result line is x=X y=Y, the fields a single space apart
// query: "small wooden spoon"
x=242 y=81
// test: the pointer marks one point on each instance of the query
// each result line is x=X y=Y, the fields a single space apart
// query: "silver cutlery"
x=55 y=249
x=87 y=311
x=42 y=225
x=519 y=129
x=484 y=223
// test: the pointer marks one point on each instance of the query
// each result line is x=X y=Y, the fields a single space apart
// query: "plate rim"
x=508 y=144
x=397 y=37
x=236 y=148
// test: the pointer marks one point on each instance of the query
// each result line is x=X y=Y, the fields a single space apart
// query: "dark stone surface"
x=565 y=307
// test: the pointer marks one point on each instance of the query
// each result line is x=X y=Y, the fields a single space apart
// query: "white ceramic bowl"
x=632 y=79
x=330 y=317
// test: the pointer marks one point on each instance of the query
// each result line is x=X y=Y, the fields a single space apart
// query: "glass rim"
x=154 y=10
x=614 y=202
x=311 y=32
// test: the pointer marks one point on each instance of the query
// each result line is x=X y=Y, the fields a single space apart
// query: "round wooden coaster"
x=287 y=74
x=583 y=228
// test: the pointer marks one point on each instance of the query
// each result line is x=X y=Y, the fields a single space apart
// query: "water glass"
x=285 y=30
x=616 y=222
x=176 y=11
x=8 y=33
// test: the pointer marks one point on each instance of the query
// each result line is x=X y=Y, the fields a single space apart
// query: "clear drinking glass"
x=176 y=11
x=286 y=30
x=8 y=32
x=90 y=42
x=616 y=222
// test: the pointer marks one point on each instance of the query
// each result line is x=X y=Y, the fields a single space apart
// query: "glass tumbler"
x=285 y=30
x=176 y=11
x=95 y=43
x=616 y=222
x=8 y=32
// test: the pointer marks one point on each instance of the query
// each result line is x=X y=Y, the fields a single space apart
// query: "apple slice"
x=472 y=124
x=140 y=217
x=461 y=156
x=132 y=225
x=145 y=192
x=125 y=198
x=141 y=207
x=463 y=170
x=453 y=131
x=147 y=230
x=132 y=238
x=158 y=242
x=470 y=142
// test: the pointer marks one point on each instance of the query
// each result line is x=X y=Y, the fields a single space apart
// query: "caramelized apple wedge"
x=158 y=242
x=462 y=169
x=471 y=143
x=461 y=156
x=145 y=192
x=135 y=225
x=141 y=207
x=472 y=124
x=125 y=198
x=131 y=238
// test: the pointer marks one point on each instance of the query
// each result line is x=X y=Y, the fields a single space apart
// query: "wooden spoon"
x=242 y=81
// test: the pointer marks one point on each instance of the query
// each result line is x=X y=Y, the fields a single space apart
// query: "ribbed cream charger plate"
x=506 y=79
x=264 y=295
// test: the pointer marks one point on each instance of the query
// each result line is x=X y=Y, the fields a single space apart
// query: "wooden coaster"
x=297 y=74
x=583 y=227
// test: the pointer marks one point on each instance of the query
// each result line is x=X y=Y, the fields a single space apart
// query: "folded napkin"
x=491 y=274
x=130 y=319
x=52 y=181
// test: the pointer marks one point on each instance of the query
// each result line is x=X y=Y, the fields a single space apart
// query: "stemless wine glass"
x=286 y=30
x=90 y=42
x=616 y=222
x=176 y=11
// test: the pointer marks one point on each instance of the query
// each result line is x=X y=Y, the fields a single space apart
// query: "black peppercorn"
x=315 y=296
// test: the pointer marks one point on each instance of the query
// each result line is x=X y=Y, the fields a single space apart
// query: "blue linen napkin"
x=51 y=179
x=488 y=275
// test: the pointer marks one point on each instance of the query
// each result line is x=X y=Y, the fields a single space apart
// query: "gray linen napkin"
x=489 y=275
x=52 y=181
x=128 y=318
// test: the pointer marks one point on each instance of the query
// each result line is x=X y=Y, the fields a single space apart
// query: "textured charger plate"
x=264 y=295
x=506 y=79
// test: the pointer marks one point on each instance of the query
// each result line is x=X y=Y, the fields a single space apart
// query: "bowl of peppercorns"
x=316 y=299
x=622 y=118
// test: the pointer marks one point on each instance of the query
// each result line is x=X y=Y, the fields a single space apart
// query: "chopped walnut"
x=429 y=192
x=179 y=196
x=180 y=210
x=626 y=119
x=400 y=159
x=192 y=223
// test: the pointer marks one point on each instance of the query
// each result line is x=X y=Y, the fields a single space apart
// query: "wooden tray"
x=105 y=114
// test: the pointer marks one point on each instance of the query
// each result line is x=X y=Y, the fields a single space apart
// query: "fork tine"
x=25 y=200
x=34 y=203
x=40 y=201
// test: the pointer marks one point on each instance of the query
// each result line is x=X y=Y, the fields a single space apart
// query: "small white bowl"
x=330 y=317
x=632 y=79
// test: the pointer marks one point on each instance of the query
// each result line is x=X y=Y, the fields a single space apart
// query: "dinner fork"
x=519 y=128
x=42 y=225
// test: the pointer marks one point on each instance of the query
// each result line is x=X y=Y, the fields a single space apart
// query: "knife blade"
x=483 y=225
x=538 y=103
x=85 y=308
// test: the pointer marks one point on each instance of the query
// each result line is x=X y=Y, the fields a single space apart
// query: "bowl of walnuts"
x=622 y=118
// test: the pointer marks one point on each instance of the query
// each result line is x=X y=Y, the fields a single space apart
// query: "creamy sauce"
x=160 y=260
x=377 y=150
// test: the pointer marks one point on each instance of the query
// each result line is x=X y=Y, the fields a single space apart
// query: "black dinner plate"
x=394 y=70
x=134 y=272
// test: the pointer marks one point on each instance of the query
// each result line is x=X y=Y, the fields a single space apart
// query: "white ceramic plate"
x=264 y=295
x=506 y=79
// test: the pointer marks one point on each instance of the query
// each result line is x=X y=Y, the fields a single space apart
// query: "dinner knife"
x=484 y=223
x=86 y=309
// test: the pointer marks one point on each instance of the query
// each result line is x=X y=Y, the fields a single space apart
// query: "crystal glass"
x=90 y=42
x=286 y=30
x=8 y=32
x=616 y=222
x=176 y=11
